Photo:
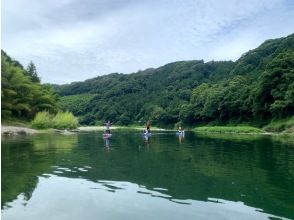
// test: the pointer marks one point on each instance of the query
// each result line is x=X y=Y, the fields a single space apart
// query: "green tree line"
x=258 y=87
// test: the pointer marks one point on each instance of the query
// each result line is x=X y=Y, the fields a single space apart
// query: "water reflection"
x=119 y=200
x=147 y=139
x=181 y=137
x=241 y=173
x=107 y=143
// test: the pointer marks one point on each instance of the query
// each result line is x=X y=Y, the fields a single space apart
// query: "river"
x=83 y=176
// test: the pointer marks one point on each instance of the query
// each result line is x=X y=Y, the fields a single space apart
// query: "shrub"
x=63 y=120
x=42 y=120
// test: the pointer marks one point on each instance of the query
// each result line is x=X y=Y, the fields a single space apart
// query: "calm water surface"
x=83 y=176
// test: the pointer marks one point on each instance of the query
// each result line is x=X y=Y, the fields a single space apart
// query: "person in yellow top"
x=180 y=130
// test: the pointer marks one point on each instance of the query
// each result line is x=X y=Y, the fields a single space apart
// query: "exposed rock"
x=14 y=130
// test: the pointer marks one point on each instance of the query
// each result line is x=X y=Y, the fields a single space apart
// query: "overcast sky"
x=73 y=40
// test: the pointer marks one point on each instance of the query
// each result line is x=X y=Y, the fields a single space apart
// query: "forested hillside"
x=256 y=88
x=155 y=94
x=22 y=95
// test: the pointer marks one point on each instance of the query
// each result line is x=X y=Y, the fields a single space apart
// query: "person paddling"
x=181 y=130
x=148 y=125
x=107 y=127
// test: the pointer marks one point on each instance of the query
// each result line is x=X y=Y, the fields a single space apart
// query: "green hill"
x=256 y=88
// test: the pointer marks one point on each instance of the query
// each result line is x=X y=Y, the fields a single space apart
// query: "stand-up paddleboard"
x=180 y=133
x=105 y=135
x=146 y=134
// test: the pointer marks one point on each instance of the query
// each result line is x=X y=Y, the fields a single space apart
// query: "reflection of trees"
x=237 y=169
x=16 y=162
x=57 y=143
x=254 y=170
x=26 y=158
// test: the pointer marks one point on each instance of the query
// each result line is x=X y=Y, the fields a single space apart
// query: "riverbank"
x=23 y=129
x=17 y=130
x=229 y=129
x=282 y=126
x=102 y=128
x=240 y=130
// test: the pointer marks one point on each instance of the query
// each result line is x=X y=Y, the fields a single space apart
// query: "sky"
x=74 y=40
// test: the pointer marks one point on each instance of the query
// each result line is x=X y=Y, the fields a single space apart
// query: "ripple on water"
x=64 y=169
x=58 y=171
x=160 y=189
x=82 y=169
x=46 y=175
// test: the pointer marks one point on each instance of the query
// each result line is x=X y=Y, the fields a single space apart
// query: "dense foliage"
x=256 y=88
x=264 y=93
x=78 y=105
x=155 y=94
x=22 y=95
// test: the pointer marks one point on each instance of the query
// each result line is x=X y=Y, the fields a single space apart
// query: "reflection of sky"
x=72 y=40
x=64 y=198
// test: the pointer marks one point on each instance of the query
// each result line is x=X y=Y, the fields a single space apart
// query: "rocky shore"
x=15 y=130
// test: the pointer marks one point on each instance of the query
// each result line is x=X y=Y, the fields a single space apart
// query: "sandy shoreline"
x=102 y=128
x=17 y=130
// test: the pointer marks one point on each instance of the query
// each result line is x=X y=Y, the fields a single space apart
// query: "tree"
x=32 y=72
x=274 y=90
x=255 y=87
x=22 y=97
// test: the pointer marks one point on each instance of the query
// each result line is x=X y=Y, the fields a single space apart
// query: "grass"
x=233 y=137
x=228 y=129
x=282 y=125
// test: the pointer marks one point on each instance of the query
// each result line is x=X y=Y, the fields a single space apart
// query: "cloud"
x=71 y=40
